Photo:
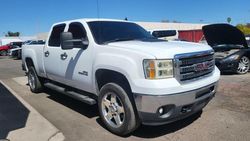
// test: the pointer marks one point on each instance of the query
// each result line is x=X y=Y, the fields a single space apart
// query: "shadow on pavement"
x=145 y=131
x=13 y=114
x=228 y=73
x=80 y=107
x=156 y=131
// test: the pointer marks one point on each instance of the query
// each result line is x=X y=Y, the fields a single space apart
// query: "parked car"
x=35 y=42
x=5 y=48
x=248 y=39
x=16 y=44
x=17 y=50
x=232 y=53
x=134 y=77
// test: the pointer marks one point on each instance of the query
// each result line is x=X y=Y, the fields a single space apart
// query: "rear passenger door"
x=52 y=51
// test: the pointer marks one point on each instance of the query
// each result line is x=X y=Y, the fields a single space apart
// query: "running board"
x=75 y=95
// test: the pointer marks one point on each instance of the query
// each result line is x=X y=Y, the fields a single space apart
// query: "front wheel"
x=116 y=110
x=244 y=65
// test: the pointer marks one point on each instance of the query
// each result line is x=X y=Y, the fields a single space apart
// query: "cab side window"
x=54 y=40
x=78 y=32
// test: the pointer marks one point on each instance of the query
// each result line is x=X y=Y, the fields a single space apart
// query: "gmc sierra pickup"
x=134 y=77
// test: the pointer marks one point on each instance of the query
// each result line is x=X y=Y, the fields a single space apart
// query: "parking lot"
x=226 y=117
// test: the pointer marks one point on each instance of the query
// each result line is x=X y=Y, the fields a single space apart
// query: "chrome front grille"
x=193 y=66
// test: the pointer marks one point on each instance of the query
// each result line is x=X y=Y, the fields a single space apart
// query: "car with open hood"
x=232 y=53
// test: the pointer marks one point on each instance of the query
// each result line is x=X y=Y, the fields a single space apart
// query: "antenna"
x=98 y=11
x=98 y=16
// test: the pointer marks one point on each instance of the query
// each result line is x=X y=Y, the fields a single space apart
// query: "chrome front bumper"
x=174 y=106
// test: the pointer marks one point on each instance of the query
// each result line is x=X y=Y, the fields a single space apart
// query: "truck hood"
x=222 y=34
x=162 y=49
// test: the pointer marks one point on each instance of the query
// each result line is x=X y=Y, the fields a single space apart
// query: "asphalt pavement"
x=13 y=114
x=18 y=120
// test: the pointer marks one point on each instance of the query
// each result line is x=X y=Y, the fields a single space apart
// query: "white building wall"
x=170 y=26
x=7 y=40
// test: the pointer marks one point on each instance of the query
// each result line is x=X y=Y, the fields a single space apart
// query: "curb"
x=57 y=136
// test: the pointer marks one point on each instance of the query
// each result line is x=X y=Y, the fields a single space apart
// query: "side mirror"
x=164 y=33
x=65 y=40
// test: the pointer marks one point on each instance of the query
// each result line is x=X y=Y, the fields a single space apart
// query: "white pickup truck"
x=133 y=77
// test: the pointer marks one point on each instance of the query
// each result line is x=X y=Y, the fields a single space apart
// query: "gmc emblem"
x=201 y=66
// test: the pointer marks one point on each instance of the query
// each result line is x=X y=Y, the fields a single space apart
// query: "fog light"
x=160 y=111
x=165 y=111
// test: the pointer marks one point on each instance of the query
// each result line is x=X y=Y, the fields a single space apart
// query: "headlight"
x=158 y=69
x=234 y=57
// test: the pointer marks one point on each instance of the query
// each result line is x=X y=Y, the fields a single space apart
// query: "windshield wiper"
x=229 y=46
x=119 y=39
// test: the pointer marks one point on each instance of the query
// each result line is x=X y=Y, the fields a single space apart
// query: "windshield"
x=109 y=31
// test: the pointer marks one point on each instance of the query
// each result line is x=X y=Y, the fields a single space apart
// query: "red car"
x=4 y=49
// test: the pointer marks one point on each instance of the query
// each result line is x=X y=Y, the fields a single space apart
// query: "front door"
x=77 y=66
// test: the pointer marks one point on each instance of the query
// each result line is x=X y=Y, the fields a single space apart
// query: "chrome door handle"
x=64 y=56
x=46 y=54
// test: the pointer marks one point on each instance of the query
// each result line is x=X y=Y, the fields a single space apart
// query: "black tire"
x=130 y=121
x=3 y=53
x=243 y=66
x=19 y=54
x=34 y=82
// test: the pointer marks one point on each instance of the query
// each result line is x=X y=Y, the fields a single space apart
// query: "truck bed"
x=36 y=53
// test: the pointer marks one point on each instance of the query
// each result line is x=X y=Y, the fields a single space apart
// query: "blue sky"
x=33 y=16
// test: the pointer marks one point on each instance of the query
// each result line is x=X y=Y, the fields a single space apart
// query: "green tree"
x=165 y=21
x=229 y=19
x=244 y=28
x=175 y=21
x=12 y=34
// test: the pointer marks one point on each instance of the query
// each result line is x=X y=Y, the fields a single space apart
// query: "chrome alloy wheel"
x=31 y=80
x=244 y=65
x=113 y=110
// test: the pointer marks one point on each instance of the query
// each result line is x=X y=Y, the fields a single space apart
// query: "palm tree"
x=229 y=19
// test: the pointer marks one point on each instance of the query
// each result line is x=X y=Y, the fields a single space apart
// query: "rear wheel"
x=244 y=65
x=116 y=110
x=34 y=82
x=19 y=54
x=3 y=53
